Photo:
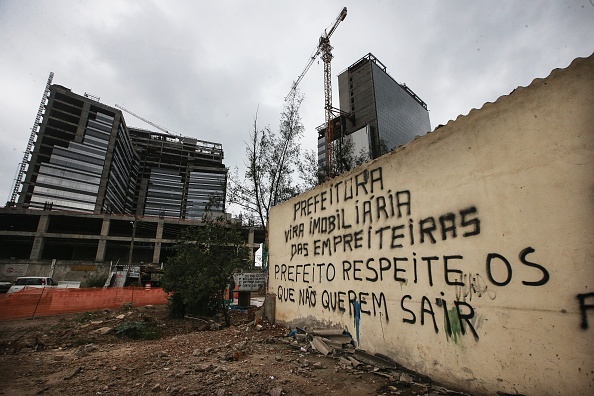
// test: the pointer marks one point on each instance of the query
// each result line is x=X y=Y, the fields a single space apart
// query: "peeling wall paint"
x=465 y=255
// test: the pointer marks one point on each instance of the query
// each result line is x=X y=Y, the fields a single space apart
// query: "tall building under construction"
x=97 y=192
x=378 y=114
x=86 y=159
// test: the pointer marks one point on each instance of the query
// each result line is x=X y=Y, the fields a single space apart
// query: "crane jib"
x=323 y=39
x=325 y=49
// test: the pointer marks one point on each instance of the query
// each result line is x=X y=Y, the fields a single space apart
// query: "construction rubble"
x=339 y=345
x=140 y=350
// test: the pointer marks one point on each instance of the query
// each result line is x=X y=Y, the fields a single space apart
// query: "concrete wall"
x=465 y=255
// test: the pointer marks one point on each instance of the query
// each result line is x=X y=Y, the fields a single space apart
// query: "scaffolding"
x=23 y=165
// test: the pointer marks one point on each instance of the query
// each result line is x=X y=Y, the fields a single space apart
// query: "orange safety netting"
x=48 y=301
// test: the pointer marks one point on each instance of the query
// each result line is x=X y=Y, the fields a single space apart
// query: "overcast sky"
x=203 y=68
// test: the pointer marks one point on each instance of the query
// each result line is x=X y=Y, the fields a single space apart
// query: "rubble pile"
x=339 y=345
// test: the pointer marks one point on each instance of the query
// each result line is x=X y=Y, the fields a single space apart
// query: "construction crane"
x=324 y=50
x=159 y=127
x=202 y=146
x=23 y=165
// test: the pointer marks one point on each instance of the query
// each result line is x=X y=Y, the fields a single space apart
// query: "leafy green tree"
x=201 y=268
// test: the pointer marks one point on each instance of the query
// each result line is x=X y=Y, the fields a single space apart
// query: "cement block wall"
x=465 y=255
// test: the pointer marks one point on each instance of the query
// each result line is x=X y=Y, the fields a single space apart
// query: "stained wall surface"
x=465 y=255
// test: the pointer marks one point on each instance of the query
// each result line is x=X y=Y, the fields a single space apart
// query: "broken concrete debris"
x=377 y=360
x=319 y=345
x=339 y=344
x=103 y=330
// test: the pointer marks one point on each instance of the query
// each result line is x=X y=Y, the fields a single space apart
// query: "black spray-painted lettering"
x=412 y=320
x=585 y=307
x=466 y=317
x=428 y=310
x=295 y=231
x=427 y=227
x=305 y=273
x=376 y=177
x=448 y=224
x=333 y=301
x=340 y=303
x=429 y=273
x=499 y=269
x=328 y=224
x=447 y=271
x=545 y=273
x=363 y=301
x=361 y=180
x=307 y=297
x=394 y=236
x=370 y=268
x=475 y=222
x=348 y=241
x=301 y=249
x=399 y=204
x=285 y=294
x=397 y=270
x=508 y=267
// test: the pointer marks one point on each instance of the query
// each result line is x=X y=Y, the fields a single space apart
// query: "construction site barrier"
x=32 y=302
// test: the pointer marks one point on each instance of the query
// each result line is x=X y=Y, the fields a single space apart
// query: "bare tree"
x=271 y=162
x=311 y=172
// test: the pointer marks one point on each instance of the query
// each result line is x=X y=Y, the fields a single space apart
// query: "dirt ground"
x=93 y=353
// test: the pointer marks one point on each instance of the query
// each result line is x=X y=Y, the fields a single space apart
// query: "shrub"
x=205 y=258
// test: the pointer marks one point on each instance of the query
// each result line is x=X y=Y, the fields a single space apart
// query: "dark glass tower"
x=378 y=113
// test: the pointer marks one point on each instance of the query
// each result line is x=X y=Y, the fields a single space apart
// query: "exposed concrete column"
x=107 y=164
x=157 y=250
x=39 y=242
x=270 y=307
x=100 y=256
x=82 y=123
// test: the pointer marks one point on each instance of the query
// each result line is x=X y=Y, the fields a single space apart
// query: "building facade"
x=86 y=159
x=178 y=176
x=82 y=159
x=378 y=114
x=36 y=237
x=98 y=192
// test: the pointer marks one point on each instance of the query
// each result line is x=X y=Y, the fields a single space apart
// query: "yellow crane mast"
x=325 y=49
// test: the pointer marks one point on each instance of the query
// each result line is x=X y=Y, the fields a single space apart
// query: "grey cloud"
x=203 y=69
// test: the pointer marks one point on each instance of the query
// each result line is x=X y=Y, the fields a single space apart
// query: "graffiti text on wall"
x=383 y=239
x=584 y=307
